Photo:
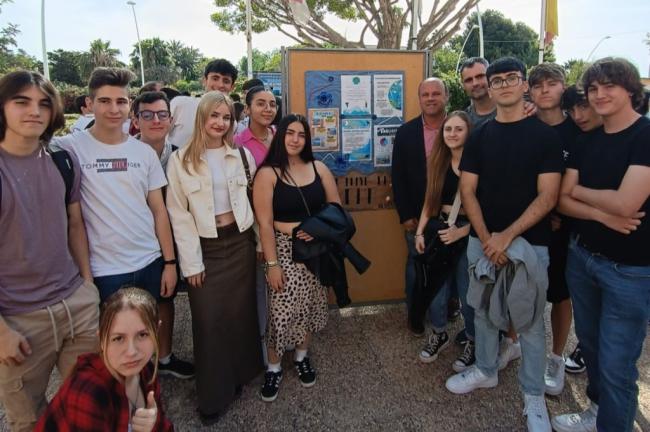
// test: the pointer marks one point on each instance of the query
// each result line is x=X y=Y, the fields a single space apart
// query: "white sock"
x=165 y=360
x=556 y=357
x=274 y=367
x=300 y=355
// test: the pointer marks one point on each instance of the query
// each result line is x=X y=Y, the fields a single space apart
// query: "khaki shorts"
x=22 y=387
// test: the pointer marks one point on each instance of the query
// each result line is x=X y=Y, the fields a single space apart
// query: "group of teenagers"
x=98 y=225
x=544 y=188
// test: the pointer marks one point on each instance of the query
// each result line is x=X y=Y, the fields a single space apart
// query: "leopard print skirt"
x=300 y=308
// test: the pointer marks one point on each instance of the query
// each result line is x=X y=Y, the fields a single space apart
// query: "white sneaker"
x=471 y=379
x=577 y=422
x=510 y=351
x=536 y=414
x=554 y=375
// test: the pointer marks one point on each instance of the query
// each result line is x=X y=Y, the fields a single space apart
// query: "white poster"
x=355 y=95
x=388 y=95
x=384 y=139
x=356 y=140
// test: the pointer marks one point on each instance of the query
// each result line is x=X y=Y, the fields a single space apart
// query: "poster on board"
x=383 y=145
x=324 y=129
x=388 y=99
x=356 y=140
x=356 y=95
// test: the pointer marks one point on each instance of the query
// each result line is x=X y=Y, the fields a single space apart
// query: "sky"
x=72 y=24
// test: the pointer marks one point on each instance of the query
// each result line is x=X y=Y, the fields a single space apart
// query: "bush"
x=458 y=100
x=69 y=93
x=188 y=86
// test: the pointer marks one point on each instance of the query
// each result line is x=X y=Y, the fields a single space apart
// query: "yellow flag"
x=551 y=22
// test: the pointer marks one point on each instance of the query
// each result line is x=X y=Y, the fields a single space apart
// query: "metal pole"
x=597 y=45
x=249 y=39
x=415 y=22
x=46 y=66
x=542 y=34
x=137 y=32
x=481 y=45
x=460 y=54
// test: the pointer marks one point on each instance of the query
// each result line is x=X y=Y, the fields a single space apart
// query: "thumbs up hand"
x=144 y=419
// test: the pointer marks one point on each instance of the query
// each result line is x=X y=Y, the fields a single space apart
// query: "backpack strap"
x=63 y=162
x=90 y=124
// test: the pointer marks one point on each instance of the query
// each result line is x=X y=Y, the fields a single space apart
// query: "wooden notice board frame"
x=379 y=236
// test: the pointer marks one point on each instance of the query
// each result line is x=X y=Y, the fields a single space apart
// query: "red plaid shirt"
x=91 y=399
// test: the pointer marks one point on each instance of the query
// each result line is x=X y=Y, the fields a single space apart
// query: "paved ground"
x=371 y=380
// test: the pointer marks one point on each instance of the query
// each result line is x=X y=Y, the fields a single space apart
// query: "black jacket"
x=409 y=170
x=332 y=228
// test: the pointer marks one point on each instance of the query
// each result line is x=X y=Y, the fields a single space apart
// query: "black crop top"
x=288 y=206
x=449 y=188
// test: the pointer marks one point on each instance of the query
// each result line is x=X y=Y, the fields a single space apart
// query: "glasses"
x=148 y=115
x=509 y=81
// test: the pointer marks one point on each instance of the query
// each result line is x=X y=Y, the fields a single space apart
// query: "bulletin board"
x=355 y=100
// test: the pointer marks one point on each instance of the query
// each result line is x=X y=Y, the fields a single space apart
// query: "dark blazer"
x=409 y=170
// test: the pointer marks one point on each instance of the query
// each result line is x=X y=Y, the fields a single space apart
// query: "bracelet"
x=418 y=235
x=269 y=264
x=170 y=262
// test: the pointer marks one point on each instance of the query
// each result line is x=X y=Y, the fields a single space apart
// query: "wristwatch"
x=170 y=262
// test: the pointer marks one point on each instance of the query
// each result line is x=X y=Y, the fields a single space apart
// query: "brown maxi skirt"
x=227 y=352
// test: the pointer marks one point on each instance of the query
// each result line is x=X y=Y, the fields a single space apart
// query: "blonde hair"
x=197 y=144
x=129 y=298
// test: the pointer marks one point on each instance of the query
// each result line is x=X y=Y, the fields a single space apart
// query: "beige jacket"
x=190 y=204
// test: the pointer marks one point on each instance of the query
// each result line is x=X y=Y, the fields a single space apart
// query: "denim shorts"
x=147 y=278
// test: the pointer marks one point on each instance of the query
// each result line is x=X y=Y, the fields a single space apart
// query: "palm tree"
x=100 y=55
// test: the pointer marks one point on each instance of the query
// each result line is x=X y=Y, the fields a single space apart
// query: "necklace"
x=266 y=137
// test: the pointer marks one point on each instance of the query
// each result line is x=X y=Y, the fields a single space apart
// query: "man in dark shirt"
x=546 y=83
x=511 y=170
x=414 y=142
x=606 y=190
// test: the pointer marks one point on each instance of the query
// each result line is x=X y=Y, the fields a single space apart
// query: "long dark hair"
x=438 y=164
x=14 y=83
x=277 y=156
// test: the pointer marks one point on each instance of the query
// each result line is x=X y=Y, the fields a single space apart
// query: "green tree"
x=186 y=59
x=66 y=66
x=502 y=38
x=100 y=54
x=574 y=69
x=158 y=61
x=262 y=62
x=10 y=59
x=386 y=20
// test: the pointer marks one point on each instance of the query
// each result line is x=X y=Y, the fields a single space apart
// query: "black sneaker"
x=271 y=386
x=575 y=363
x=436 y=343
x=176 y=367
x=306 y=373
x=461 y=338
x=466 y=359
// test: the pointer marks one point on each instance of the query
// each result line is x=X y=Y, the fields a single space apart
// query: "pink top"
x=429 y=137
x=255 y=146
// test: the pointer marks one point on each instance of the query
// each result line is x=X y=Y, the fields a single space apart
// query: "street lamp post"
x=137 y=32
x=249 y=39
x=481 y=45
x=460 y=54
x=597 y=45
x=46 y=66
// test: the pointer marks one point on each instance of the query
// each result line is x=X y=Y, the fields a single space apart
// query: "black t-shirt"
x=508 y=157
x=568 y=132
x=602 y=160
x=449 y=188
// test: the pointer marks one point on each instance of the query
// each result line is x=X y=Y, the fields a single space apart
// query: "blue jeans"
x=147 y=278
x=533 y=341
x=458 y=281
x=611 y=304
x=409 y=276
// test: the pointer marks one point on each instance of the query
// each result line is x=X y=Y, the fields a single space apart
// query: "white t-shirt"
x=183 y=110
x=217 y=164
x=82 y=122
x=115 y=181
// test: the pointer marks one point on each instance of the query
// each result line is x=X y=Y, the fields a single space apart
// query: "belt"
x=589 y=249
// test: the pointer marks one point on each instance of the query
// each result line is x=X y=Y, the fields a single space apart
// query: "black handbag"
x=249 y=178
